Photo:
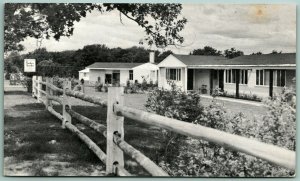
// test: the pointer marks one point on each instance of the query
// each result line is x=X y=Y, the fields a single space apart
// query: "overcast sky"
x=250 y=28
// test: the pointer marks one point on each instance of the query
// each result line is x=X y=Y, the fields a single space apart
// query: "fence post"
x=115 y=155
x=39 y=88
x=33 y=85
x=67 y=117
x=47 y=92
x=50 y=91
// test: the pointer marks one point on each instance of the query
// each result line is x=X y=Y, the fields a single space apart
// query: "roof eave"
x=244 y=66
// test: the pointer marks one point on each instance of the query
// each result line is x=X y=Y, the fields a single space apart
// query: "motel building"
x=262 y=75
x=118 y=73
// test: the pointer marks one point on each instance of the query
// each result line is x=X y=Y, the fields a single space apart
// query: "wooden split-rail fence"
x=114 y=131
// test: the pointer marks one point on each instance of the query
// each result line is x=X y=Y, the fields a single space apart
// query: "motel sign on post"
x=29 y=65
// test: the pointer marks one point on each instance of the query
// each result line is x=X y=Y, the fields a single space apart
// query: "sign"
x=29 y=65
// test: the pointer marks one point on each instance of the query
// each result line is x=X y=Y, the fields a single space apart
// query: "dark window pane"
x=242 y=72
x=278 y=78
x=229 y=78
x=226 y=75
x=130 y=74
x=257 y=77
x=261 y=78
x=246 y=76
x=233 y=76
x=282 y=78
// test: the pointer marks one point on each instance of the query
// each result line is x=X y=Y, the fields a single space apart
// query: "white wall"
x=163 y=83
x=171 y=61
x=81 y=76
x=138 y=74
x=161 y=77
x=95 y=73
x=124 y=76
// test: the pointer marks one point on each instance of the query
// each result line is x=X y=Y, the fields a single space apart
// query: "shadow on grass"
x=29 y=107
x=16 y=93
x=31 y=137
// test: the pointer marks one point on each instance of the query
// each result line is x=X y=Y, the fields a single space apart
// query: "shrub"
x=279 y=124
x=144 y=85
x=173 y=104
x=27 y=82
x=74 y=83
x=7 y=76
x=251 y=97
x=58 y=82
x=98 y=86
x=182 y=156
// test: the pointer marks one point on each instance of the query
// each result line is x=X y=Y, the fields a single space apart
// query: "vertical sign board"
x=29 y=65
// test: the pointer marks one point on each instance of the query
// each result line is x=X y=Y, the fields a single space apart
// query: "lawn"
x=138 y=101
x=36 y=145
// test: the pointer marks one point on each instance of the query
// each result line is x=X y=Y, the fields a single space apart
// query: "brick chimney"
x=151 y=57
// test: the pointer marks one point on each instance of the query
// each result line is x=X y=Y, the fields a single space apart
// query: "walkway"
x=240 y=101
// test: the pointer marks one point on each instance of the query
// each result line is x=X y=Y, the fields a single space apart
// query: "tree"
x=257 y=53
x=207 y=50
x=13 y=63
x=276 y=52
x=161 y=22
x=232 y=53
x=40 y=55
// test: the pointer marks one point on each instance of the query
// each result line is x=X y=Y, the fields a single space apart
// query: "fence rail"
x=114 y=131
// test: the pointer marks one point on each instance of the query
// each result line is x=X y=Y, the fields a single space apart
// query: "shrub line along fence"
x=114 y=131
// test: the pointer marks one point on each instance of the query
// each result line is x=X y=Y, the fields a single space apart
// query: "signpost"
x=29 y=65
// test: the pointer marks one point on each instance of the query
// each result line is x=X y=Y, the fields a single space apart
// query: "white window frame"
x=243 y=75
x=130 y=73
x=263 y=80
x=177 y=74
x=227 y=81
x=275 y=78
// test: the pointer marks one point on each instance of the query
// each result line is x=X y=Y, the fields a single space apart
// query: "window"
x=279 y=78
x=260 y=77
x=263 y=77
x=130 y=74
x=173 y=74
x=230 y=76
x=84 y=74
x=243 y=76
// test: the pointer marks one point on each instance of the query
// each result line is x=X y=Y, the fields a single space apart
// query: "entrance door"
x=221 y=80
x=190 y=79
x=107 y=78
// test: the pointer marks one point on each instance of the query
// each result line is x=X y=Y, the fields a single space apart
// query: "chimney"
x=151 y=57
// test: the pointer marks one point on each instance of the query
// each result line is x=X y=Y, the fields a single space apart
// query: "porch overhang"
x=281 y=66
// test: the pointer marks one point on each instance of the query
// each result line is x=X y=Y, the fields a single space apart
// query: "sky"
x=249 y=28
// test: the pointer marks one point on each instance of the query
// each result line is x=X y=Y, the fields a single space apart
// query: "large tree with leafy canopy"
x=232 y=53
x=207 y=50
x=161 y=22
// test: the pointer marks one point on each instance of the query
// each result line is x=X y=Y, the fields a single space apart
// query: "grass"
x=28 y=138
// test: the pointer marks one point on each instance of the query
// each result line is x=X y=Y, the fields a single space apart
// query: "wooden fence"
x=114 y=131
